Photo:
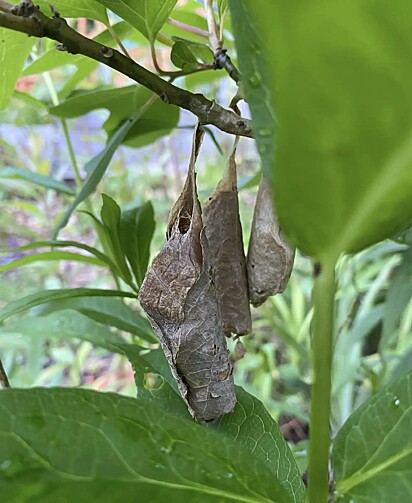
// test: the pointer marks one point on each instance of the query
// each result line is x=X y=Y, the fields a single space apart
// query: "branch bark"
x=35 y=23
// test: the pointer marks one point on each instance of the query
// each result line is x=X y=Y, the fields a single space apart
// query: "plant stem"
x=189 y=28
x=56 y=28
x=55 y=99
x=322 y=340
x=116 y=38
x=211 y=23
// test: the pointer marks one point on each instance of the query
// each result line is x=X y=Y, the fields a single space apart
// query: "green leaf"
x=51 y=255
x=252 y=427
x=398 y=296
x=107 y=310
x=97 y=168
x=136 y=231
x=65 y=244
x=38 y=298
x=372 y=453
x=110 y=215
x=222 y=8
x=147 y=16
x=89 y=9
x=255 y=71
x=154 y=123
x=14 y=50
x=35 y=178
x=250 y=424
x=187 y=55
x=182 y=57
x=343 y=173
x=63 y=444
x=64 y=324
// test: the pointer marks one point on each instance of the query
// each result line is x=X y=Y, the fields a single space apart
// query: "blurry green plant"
x=340 y=357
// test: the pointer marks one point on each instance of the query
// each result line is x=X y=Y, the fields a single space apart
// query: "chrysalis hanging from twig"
x=270 y=257
x=224 y=235
x=180 y=300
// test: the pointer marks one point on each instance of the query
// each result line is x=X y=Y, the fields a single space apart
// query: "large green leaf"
x=44 y=296
x=372 y=453
x=61 y=445
x=137 y=226
x=253 y=65
x=340 y=76
x=14 y=50
x=35 y=178
x=147 y=16
x=250 y=424
x=51 y=255
x=107 y=310
x=66 y=244
x=155 y=122
x=64 y=324
x=97 y=168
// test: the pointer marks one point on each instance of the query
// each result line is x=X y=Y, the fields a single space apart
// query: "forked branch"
x=27 y=18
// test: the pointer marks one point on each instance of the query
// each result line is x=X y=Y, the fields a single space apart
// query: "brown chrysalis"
x=224 y=235
x=180 y=300
x=270 y=257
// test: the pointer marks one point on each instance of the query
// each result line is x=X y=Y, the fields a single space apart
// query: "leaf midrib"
x=138 y=477
x=346 y=485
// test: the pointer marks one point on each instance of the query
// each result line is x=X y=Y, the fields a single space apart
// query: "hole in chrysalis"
x=184 y=222
x=153 y=381
x=253 y=266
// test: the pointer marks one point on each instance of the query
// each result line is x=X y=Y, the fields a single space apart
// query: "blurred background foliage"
x=46 y=117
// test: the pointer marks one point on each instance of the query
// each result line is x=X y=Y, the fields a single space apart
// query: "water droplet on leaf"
x=166 y=450
x=159 y=466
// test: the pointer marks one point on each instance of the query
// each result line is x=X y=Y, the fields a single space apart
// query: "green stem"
x=116 y=38
x=55 y=100
x=72 y=155
x=322 y=340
